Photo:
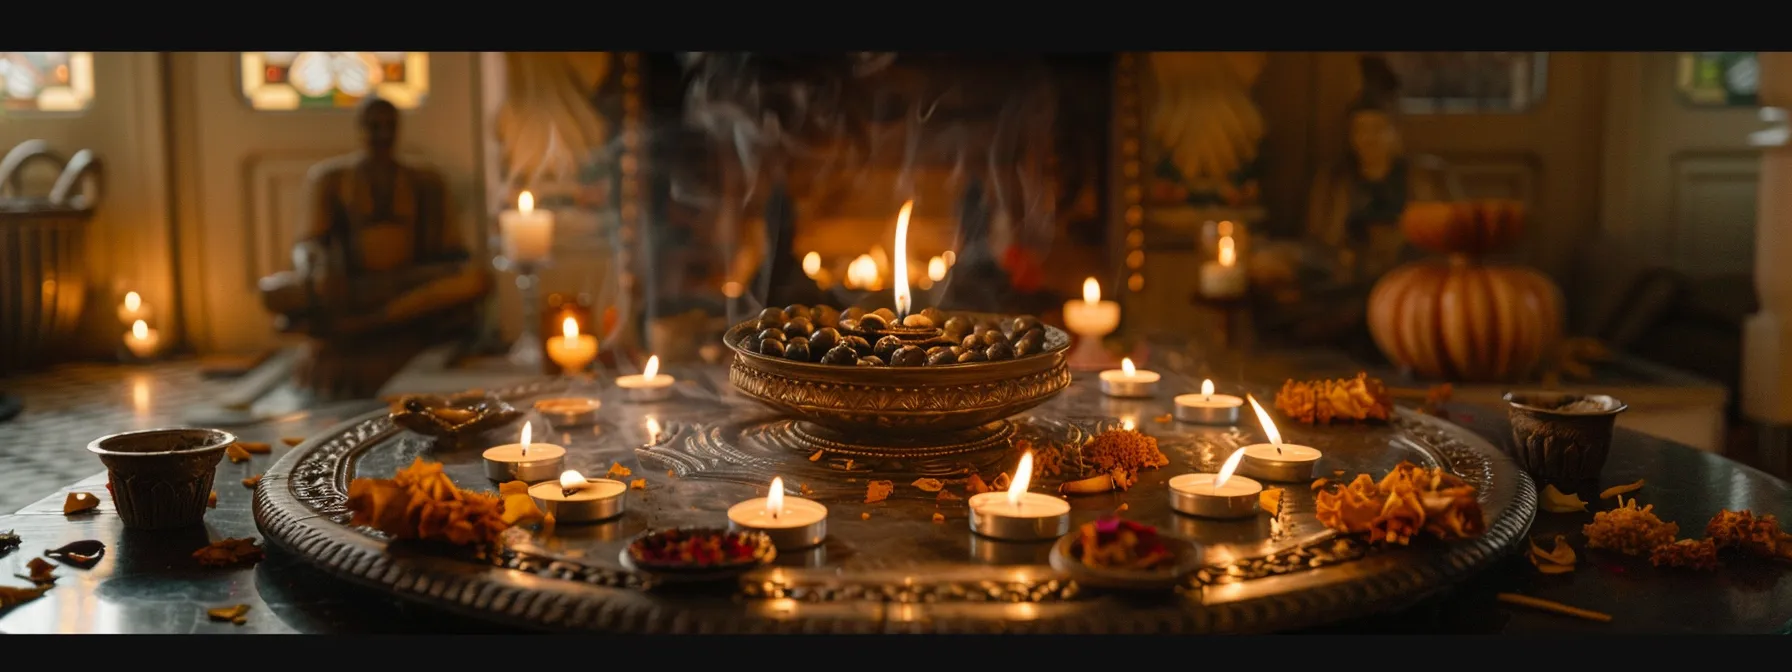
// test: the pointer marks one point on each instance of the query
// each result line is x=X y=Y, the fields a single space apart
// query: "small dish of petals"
x=694 y=554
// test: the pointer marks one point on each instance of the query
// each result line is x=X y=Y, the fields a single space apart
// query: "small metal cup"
x=161 y=478
x=1558 y=445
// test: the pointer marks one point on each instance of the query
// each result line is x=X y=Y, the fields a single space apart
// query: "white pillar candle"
x=1277 y=461
x=1017 y=514
x=142 y=340
x=1128 y=381
x=572 y=350
x=791 y=522
x=524 y=461
x=573 y=499
x=526 y=234
x=1223 y=278
x=1092 y=316
x=1208 y=408
x=651 y=385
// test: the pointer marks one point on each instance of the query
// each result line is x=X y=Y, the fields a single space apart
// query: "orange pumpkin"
x=1459 y=319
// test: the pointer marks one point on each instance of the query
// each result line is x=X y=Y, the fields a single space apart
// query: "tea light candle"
x=134 y=309
x=1277 y=461
x=142 y=340
x=569 y=411
x=1220 y=495
x=526 y=235
x=573 y=499
x=1018 y=515
x=524 y=461
x=572 y=350
x=1091 y=319
x=1127 y=381
x=1208 y=408
x=791 y=522
x=649 y=386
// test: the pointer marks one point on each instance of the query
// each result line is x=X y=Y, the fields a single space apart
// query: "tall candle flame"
x=570 y=479
x=570 y=329
x=901 y=271
x=1226 y=469
x=525 y=439
x=653 y=430
x=140 y=330
x=811 y=264
x=1023 y=474
x=774 y=499
x=525 y=203
x=1091 y=291
x=1127 y=367
x=1269 y=427
x=1228 y=255
x=132 y=301
x=652 y=369
x=1207 y=390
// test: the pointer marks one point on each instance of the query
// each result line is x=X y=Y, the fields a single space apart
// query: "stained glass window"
x=313 y=80
x=1442 y=82
x=1719 y=78
x=46 y=81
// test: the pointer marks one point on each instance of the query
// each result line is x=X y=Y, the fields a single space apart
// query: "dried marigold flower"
x=617 y=471
x=42 y=571
x=878 y=491
x=1359 y=399
x=421 y=502
x=1755 y=535
x=1408 y=500
x=1686 y=553
x=1629 y=530
x=12 y=597
x=227 y=552
x=255 y=447
x=1124 y=449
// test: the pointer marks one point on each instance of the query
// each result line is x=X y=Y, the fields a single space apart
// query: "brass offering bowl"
x=900 y=403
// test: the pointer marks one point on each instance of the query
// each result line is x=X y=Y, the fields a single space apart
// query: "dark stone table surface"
x=148 y=584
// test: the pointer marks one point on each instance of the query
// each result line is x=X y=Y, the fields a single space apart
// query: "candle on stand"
x=142 y=340
x=572 y=350
x=1127 y=381
x=650 y=386
x=1018 y=515
x=524 y=461
x=791 y=522
x=1223 y=278
x=1091 y=319
x=1208 y=408
x=1277 y=461
x=133 y=309
x=527 y=235
x=1220 y=495
x=573 y=499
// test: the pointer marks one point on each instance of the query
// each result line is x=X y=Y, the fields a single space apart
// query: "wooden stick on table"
x=1554 y=607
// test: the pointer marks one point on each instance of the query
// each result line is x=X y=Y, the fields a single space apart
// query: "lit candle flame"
x=936 y=269
x=570 y=480
x=1228 y=255
x=1126 y=366
x=1207 y=390
x=525 y=441
x=862 y=272
x=1127 y=424
x=1226 y=469
x=1091 y=291
x=1269 y=427
x=1023 y=473
x=525 y=203
x=901 y=270
x=653 y=429
x=811 y=264
x=140 y=330
x=570 y=329
x=774 y=498
x=652 y=369
x=132 y=301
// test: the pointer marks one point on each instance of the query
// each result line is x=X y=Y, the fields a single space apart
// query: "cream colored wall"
x=131 y=239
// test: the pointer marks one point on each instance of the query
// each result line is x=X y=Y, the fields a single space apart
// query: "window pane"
x=1442 y=82
x=46 y=81
x=312 y=80
x=1720 y=78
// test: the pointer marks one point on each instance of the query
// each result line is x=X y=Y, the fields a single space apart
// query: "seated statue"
x=381 y=272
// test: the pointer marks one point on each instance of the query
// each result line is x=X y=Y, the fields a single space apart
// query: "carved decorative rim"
x=299 y=506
